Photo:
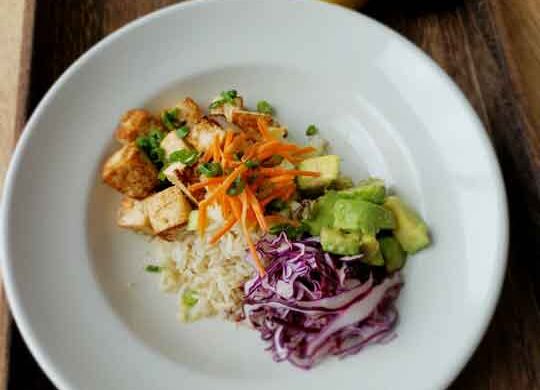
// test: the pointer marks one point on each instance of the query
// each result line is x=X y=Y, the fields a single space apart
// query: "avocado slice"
x=371 y=190
x=411 y=231
x=327 y=166
x=371 y=249
x=322 y=214
x=356 y=214
x=393 y=254
x=193 y=220
x=340 y=243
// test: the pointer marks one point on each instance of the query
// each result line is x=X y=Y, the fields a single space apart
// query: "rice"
x=208 y=279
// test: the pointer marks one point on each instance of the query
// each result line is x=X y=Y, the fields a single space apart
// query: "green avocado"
x=411 y=231
x=322 y=214
x=393 y=254
x=340 y=243
x=356 y=214
x=370 y=190
x=371 y=249
x=327 y=166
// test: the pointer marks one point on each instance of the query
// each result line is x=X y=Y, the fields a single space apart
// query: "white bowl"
x=95 y=320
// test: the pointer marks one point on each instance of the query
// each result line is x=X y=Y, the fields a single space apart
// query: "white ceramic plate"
x=386 y=108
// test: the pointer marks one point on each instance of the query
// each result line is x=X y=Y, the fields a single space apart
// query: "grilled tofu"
x=167 y=211
x=247 y=120
x=202 y=134
x=132 y=215
x=129 y=171
x=190 y=112
x=172 y=142
x=227 y=109
x=135 y=123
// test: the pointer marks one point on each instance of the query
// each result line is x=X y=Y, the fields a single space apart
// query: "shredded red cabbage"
x=311 y=304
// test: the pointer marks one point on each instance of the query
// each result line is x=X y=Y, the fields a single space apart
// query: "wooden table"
x=491 y=48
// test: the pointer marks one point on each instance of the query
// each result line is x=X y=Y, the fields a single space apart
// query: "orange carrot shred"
x=252 y=248
x=206 y=183
x=201 y=220
x=282 y=179
x=228 y=226
x=257 y=209
x=263 y=128
x=225 y=185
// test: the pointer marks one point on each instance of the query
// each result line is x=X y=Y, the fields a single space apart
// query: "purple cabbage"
x=311 y=304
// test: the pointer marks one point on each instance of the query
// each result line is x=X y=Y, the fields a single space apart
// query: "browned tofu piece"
x=129 y=171
x=201 y=134
x=247 y=120
x=172 y=142
x=167 y=210
x=227 y=109
x=135 y=123
x=132 y=215
x=190 y=112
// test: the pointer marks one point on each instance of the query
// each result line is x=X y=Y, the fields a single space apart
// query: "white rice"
x=213 y=274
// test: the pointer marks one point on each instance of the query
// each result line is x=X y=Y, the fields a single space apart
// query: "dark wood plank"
x=467 y=39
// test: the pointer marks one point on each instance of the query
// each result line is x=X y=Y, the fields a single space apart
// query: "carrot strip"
x=273 y=195
x=206 y=183
x=235 y=143
x=307 y=149
x=289 y=192
x=228 y=226
x=225 y=185
x=282 y=179
x=236 y=208
x=201 y=220
x=228 y=138
x=267 y=145
x=257 y=209
x=252 y=248
x=207 y=155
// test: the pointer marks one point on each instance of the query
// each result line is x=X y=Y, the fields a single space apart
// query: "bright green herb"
x=150 y=145
x=292 y=232
x=210 y=169
x=171 y=120
x=190 y=298
x=185 y=156
x=225 y=97
x=152 y=268
x=265 y=108
x=276 y=205
x=312 y=130
x=182 y=132
x=236 y=187
x=251 y=164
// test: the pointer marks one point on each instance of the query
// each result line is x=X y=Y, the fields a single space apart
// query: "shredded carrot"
x=289 y=192
x=235 y=143
x=228 y=138
x=252 y=249
x=206 y=183
x=278 y=193
x=235 y=206
x=257 y=209
x=282 y=179
x=207 y=155
x=228 y=226
x=267 y=145
x=307 y=149
x=201 y=220
x=226 y=184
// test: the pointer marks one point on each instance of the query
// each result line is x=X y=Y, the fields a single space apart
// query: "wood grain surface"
x=491 y=48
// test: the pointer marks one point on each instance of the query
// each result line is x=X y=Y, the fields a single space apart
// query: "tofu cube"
x=176 y=173
x=135 y=123
x=227 y=109
x=172 y=142
x=167 y=210
x=202 y=134
x=247 y=120
x=190 y=112
x=129 y=171
x=132 y=215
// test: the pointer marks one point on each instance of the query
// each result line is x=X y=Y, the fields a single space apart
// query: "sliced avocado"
x=356 y=214
x=411 y=231
x=193 y=220
x=393 y=254
x=327 y=166
x=371 y=190
x=340 y=243
x=322 y=214
x=371 y=249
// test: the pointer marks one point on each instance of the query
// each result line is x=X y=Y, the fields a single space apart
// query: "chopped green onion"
x=210 y=169
x=152 y=268
x=251 y=164
x=185 y=156
x=265 y=108
x=276 y=205
x=182 y=132
x=312 y=130
x=225 y=97
x=170 y=118
x=236 y=187
x=150 y=145
x=190 y=298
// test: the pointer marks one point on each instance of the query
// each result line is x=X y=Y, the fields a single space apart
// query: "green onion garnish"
x=185 y=156
x=311 y=130
x=236 y=187
x=251 y=164
x=265 y=108
x=152 y=268
x=210 y=169
x=182 y=132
